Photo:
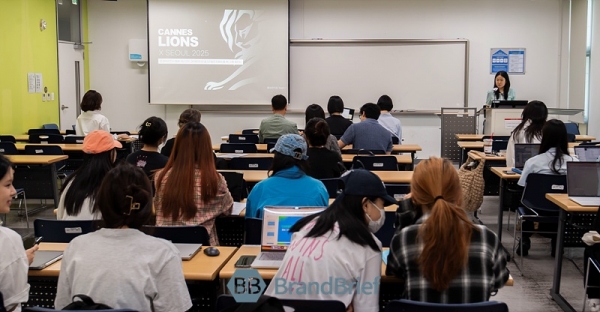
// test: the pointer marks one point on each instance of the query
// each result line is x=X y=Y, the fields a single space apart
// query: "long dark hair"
x=86 y=180
x=5 y=165
x=348 y=212
x=282 y=162
x=537 y=113
x=554 y=134
x=506 y=85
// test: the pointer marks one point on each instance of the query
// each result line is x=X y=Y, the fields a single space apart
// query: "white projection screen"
x=217 y=52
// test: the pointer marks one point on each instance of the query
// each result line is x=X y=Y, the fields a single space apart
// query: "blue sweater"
x=289 y=187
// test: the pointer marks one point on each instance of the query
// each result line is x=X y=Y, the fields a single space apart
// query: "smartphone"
x=509 y=172
x=245 y=261
x=38 y=240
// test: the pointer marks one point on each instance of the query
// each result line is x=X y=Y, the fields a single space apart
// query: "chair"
x=386 y=232
x=8 y=148
x=397 y=190
x=270 y=146
x=592 y=274
x=572 y=128
x=270 y=141
x=250 y=131
x=2 y=308
x=570 y=137
x=43 y=131
x=589 y=143
x=362 y=151
x=50 y=126
x=384 y=163
x=535 y=207
x=243 y=138
x=46 y=150
x=499 y=145
x=242 y=148
x=253 y=231
x=227 y=301
x=395 y=140
x=72 y=139
x=236 y=185
x=40 y=309
x=251 y=163
x=185 y=234
x=403 y=305
x=120 y=132
x=63 y=231
x=333 y=186
x=46 y=138
x=8 y=138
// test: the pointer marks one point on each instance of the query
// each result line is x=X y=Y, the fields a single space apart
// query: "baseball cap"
x=99 y=141
x=288 y=143
x=362 y=182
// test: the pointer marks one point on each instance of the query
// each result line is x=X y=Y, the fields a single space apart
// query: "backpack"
x=85 y=303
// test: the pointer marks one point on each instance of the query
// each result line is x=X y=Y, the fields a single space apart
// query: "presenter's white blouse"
x=90 y=121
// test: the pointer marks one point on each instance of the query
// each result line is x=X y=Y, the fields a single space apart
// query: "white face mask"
x=374 y=226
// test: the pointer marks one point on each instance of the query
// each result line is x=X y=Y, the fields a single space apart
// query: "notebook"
x=583 y=186
x=587 y=153
x=44 y=258
x=524 y=152
x=188 y=251
x=276 y=236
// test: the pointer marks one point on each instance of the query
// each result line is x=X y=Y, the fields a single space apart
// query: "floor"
x=530 y=291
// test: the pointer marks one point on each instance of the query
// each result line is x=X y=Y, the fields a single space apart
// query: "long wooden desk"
x=255 y=176
x=64 y=147
x=479 y=137
x=504 y=176
x=567 y=206
x=346 y=158
x=479 y=145
x=477 y=155
x=35 y=159
x=397 y=148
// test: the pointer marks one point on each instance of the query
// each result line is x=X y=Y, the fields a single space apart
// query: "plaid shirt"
x=484 y=274
x=222 y=204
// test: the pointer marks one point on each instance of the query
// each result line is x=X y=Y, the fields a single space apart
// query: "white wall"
x=536 y=25
x=594 y=113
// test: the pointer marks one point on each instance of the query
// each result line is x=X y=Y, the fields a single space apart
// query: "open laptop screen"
x=277 y=222
x=583 y=178
x=524 y=152
x=587 y=153
x=348 y=113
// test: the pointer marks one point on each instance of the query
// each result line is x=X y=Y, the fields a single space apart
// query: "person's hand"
x=123 y=136
x=31 y=252
x=407 y=196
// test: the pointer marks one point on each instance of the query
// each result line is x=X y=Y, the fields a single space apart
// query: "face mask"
x=374 y=226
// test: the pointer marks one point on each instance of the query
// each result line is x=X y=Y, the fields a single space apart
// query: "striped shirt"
x=483 y=275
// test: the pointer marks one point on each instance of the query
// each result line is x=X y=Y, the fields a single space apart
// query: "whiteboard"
x=417 y=76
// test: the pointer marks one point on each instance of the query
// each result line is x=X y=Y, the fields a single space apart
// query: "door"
x=70 y=83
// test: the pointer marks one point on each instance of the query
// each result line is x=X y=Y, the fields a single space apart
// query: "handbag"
x=472 y=184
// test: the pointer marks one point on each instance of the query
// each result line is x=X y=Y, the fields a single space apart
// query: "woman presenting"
x=502 y=90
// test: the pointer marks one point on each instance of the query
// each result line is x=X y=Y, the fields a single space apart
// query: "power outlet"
x=43 y=97
x=51 y=96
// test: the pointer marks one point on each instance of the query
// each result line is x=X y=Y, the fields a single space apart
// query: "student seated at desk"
x=153 y=132
x=337 y=123
x=316 y=111
x=275 y=126
x=189 y=190
x=391 y=123
x=338 y=244
x=445 y=258
x=119 y=265
x=368 y=134
x=90 y=118
x=14 y=259
x=288 y=183
x=533 y=117
x=78 y=196
x=324 y=163
x=188 y=115
x=552 y=159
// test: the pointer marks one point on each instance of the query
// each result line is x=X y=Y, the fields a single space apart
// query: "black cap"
x=361 y=182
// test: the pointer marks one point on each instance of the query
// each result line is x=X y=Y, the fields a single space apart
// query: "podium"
x=501 y=121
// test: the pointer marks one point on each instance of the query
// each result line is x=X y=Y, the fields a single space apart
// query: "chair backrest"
x=251 y=163
x=499 y=145
x=46 y=138
x=570 y=137
x=417 y=306
x=253 y=231
x=185 y=234
x=8 y=138
x=43 y=150
x=40 y=309
x=386 y=232
x=397 y=189
x=238 y=148
x=496 y=137
x=572 y=128
x=363 y=151
x=243 y=138
x=43 y=131
x=8 y=148
x=120 y=132
x=63 y=231
x=250 y=131
x=593 y=273
x=227 y=301
x=270 y=141
x=235 y=184
x=270 y=146
x=386 y=163
x=332 y=185
x=538 y=185
x=72 y=139
x=395 y=140
x=50 y=126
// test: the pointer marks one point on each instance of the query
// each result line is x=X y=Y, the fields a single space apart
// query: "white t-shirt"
x=518 y=138
x=324 y=261
x=13 y=269
x=123 y=268
x=84 y=214
x=542 y=164
x=90 y=121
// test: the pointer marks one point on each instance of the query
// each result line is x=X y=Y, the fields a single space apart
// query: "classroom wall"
x=26 y=49
x=535 y=25
x=594 y=113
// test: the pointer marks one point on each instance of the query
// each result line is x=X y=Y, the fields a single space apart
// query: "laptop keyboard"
x=274 y=256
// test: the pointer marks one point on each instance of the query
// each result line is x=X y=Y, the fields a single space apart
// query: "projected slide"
x=217 y=51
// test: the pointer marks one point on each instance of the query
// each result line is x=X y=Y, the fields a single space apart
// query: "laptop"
x=583 y=182
x=348 y=113
x=44 y=258
x=524 y=152
x=188 y=251
x=587 y=153
x=276 y=236
x=508 y=104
